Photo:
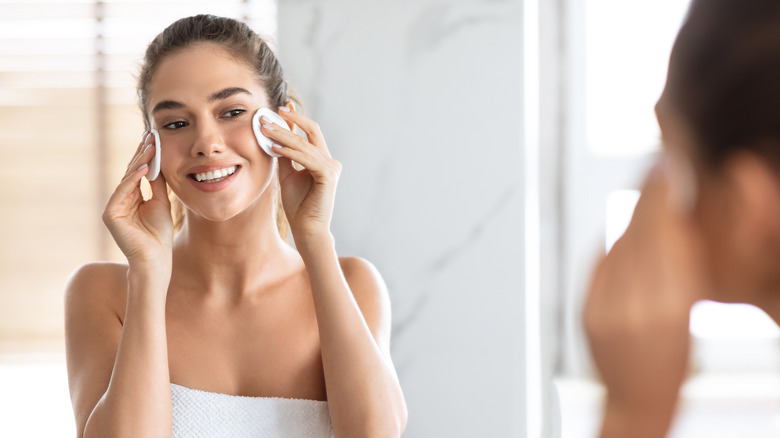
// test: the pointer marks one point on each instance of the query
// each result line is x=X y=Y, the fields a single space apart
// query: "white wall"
x=422 y=102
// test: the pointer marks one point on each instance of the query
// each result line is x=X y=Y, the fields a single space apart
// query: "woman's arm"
x=353 y=311
x=118 y=370
x=637 y=311
x=364 y=395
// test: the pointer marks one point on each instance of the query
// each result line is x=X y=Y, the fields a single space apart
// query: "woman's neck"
x=234 y=257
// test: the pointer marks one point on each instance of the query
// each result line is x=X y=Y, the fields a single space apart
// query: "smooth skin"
x=226 y=305
x=723 y=245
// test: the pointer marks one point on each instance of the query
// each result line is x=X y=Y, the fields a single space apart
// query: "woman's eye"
x=234 y=113
x=175 y=125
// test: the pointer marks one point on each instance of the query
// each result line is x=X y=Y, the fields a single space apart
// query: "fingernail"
x=142 y=166
x=284 y=108
x=146 y=149
x=146 y=139
x=276 y=146
x=268 y=125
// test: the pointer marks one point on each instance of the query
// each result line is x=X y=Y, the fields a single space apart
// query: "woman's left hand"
x=307 y=194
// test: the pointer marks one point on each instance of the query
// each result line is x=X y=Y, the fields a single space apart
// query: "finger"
x=145 y=137
x=139 y=172
x=143 y=158
x=285 y=167
x=160 y=189
x=129 y=189
x=284 y=137
x=139 y=149
x=668 y=195
x=310 y=127
x=142 y=147
x=143 y=142
x=653 y=205
x=307 y=160
x=662 y=238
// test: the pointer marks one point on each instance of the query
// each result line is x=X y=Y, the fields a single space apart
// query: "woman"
x=222 y=329
x=708 y=222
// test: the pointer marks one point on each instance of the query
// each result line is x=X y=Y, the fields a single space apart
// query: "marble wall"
x=422 y=102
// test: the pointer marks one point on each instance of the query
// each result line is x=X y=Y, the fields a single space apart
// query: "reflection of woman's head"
x=724 y=78
x=237 y=40
x=721 y=107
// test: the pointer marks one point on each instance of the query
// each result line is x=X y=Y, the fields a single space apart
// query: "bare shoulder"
x=371 y=295
x=99 y=271
x=97 y=284
x=365 y=281
x=361 y=272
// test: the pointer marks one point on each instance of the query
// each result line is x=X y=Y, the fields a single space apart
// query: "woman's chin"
x=216 y=214
x=222 y=208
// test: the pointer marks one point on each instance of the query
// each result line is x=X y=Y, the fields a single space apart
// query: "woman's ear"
x=755 y=206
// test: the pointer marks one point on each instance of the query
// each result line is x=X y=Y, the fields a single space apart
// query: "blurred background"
x=491 y=150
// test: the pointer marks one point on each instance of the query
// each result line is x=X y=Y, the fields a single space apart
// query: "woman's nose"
x=208 y=141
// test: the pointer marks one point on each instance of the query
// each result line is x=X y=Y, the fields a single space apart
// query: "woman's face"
x=201 y=100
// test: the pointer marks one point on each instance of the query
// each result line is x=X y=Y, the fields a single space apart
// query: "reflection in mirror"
x=437 y=204
x=239 y=332
x=215 y=315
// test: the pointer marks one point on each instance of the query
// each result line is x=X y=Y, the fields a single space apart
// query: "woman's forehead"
x=200 y=71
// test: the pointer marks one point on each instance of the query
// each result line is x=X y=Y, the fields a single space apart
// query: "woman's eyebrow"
x=219 y=95
x=227 y=92
x=167 y=104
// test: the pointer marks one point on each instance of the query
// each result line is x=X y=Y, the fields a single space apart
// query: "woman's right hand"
x=143 y=229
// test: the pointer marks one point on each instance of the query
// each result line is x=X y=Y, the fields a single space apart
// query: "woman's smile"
x=213 y=177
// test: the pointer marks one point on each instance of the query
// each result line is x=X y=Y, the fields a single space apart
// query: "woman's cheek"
x=170 y=163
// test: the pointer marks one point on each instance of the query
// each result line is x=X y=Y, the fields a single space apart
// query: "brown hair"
x=723 y=78
x=241 y=42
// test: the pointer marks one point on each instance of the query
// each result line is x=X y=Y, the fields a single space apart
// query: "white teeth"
x=215 y=174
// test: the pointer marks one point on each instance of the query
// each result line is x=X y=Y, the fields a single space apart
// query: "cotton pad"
x=154 y=165
x=265 y=142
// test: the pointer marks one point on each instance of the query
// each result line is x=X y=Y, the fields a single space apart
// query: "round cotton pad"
x=265 y=142
x=154 y=165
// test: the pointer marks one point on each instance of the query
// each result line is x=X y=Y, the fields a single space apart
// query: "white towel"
x=204 y=414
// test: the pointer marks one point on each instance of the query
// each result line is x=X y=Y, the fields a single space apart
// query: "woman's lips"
x=210 y=182
x=215 y=174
